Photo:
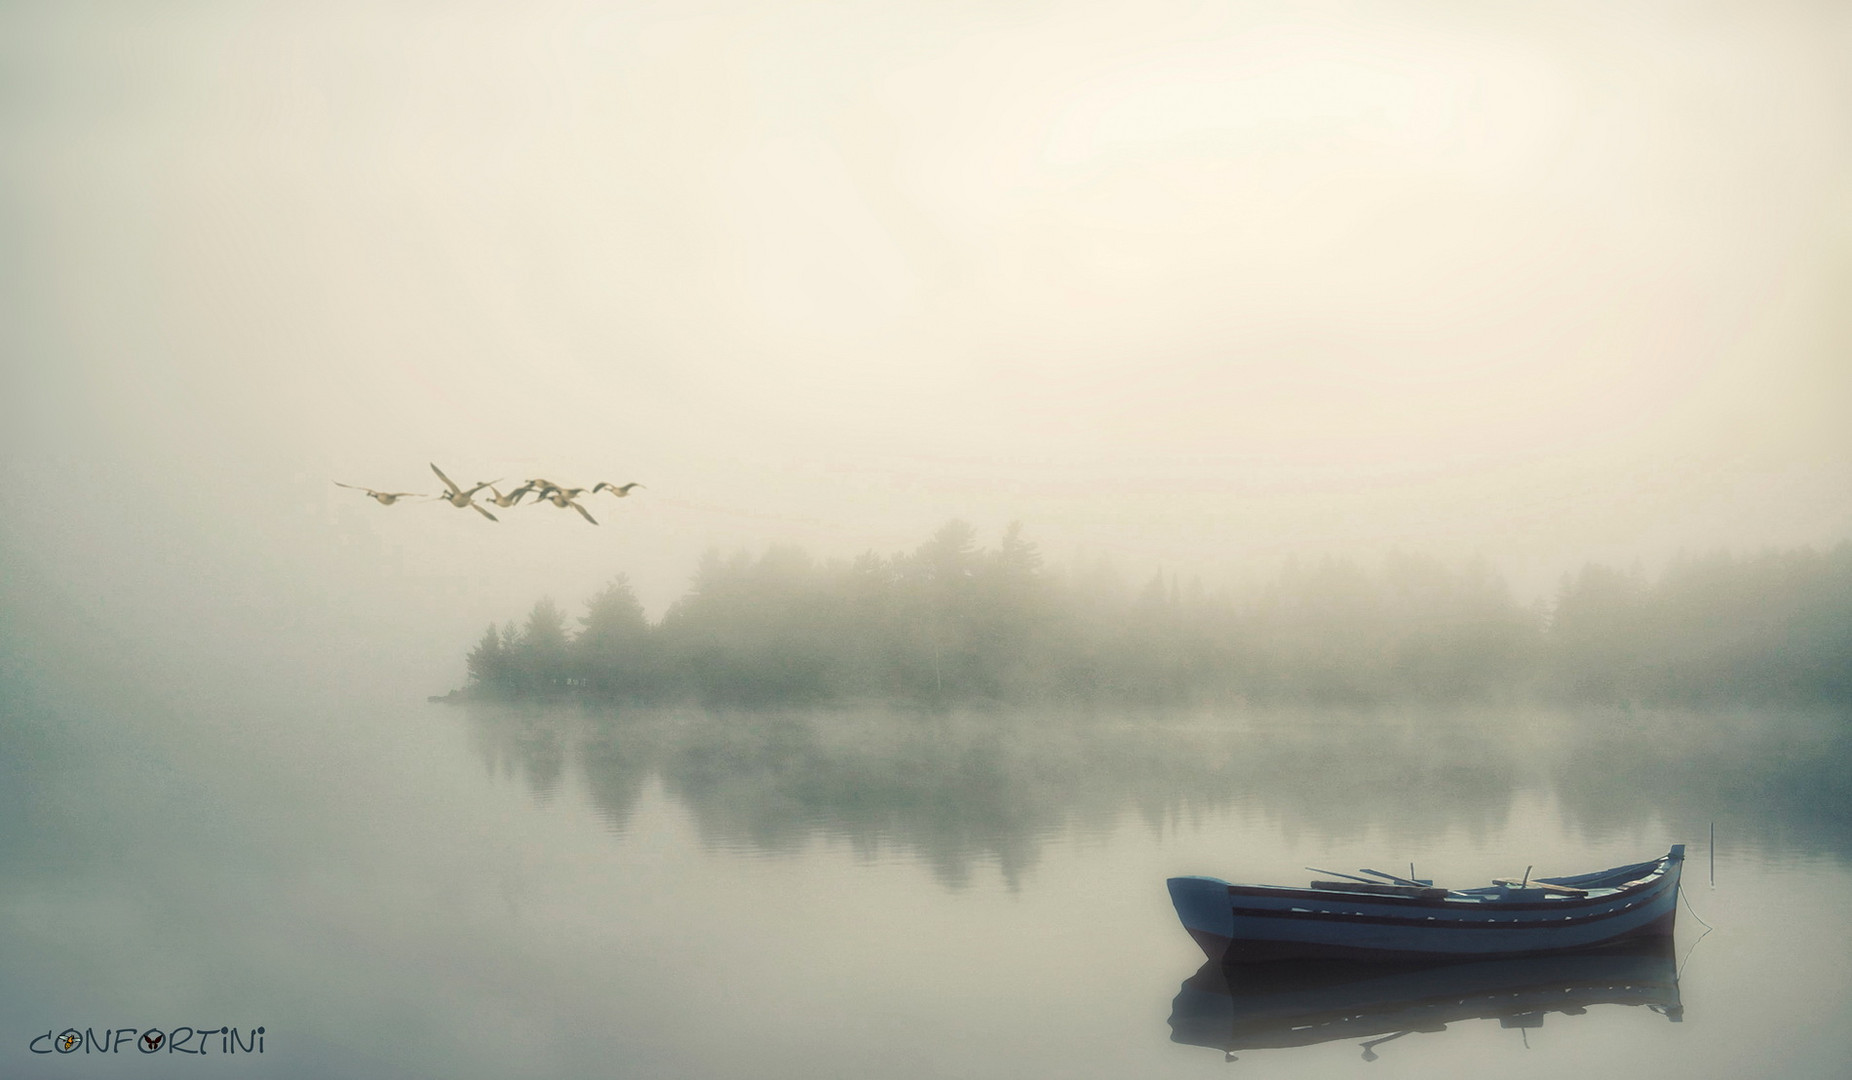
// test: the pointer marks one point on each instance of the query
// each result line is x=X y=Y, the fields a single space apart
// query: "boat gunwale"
x=1478 y=902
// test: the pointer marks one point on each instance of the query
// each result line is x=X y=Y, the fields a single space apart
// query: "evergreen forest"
x=953 y=622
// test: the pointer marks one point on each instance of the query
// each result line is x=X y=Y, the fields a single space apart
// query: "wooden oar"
x=1397 y=880
x=1334 y=873
x=1565 y=890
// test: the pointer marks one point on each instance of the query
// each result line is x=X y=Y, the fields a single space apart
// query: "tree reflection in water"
x=960 y=790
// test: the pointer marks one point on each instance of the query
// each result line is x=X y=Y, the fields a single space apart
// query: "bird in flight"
x=542 y=489
x=564 y=497
x=459 y=498
x=513 y=498
x=384 y=498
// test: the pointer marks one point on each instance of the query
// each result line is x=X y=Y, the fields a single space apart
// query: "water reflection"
x=1780 y=784
x=1303 y=1004
x=959 y=791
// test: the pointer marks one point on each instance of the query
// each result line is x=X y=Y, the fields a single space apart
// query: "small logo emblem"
x=152 y=1040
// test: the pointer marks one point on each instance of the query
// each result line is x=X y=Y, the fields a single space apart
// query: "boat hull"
x=1261 y=923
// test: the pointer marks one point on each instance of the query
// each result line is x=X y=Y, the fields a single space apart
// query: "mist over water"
x=1426 y=428
x=947 y=789
x=473 y=890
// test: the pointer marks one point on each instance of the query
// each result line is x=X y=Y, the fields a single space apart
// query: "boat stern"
x=1203 y=906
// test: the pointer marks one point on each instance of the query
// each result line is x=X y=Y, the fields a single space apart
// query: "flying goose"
x=384 y=498
x=459 y=498
x=563 y=497
x=619 y=490
x=513 y=498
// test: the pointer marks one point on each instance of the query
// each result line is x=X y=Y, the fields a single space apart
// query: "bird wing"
x=482 y=485
x=483 y=512
x=582 y=512
x=357 y=487
x=449 y=483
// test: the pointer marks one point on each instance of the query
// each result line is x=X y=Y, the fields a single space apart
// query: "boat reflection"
x=1271 y=1006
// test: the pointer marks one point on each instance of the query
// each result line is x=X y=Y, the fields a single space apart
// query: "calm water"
x=399 y=889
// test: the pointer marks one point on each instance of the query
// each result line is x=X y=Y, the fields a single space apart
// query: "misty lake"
x=395 y=888
x=942 y=355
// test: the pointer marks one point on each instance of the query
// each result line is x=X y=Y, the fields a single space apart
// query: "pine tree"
x=614 y=655
x=541 y=658
x=488 y=663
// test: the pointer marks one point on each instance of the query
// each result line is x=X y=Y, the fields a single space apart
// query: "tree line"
x=955 y=623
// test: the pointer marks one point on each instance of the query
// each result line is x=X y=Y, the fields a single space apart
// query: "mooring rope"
x=1694 y=945
x=1694 y=911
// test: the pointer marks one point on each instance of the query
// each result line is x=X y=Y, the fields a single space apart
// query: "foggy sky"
x=1195 y=286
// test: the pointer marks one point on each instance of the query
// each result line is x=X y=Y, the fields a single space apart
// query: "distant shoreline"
x=952 y=623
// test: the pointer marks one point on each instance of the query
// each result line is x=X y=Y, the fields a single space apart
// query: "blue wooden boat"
x=1403 y=919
